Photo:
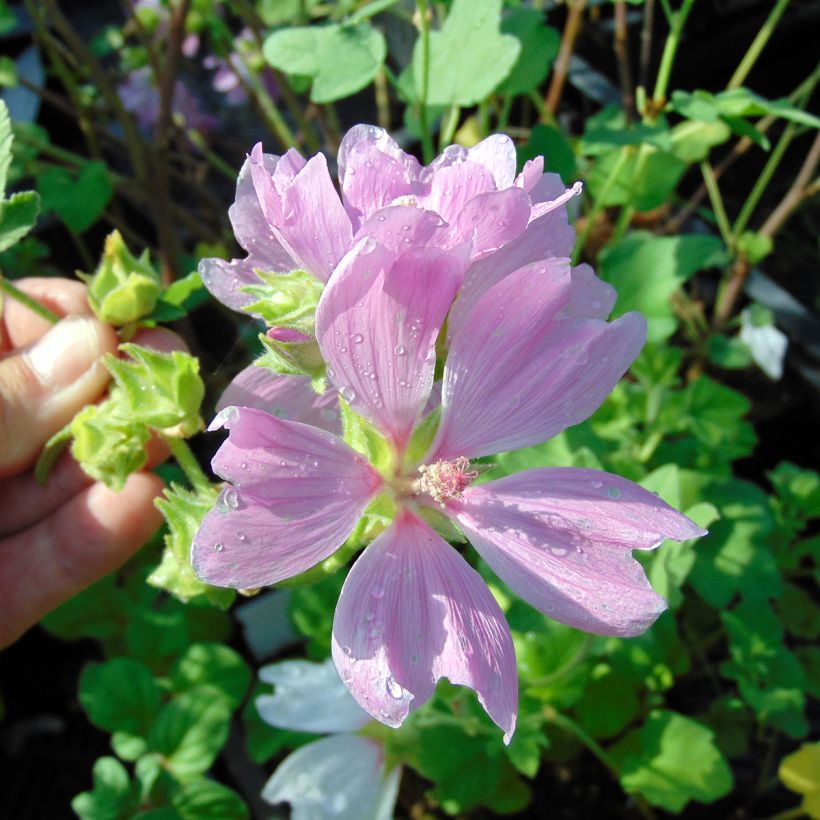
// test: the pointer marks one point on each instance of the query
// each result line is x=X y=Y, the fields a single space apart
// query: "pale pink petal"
x=561 y=538
x=225 y=279
x=341 y=777
x=530 y=174
x=373 y=171
x=451 y=187
x=413 y=611
x=497 y=155
x=519 y=370
x=490 y=220
x=540 y=209
x=401 y=227
x=297 y=494
x=376 y=325
x=288 y=397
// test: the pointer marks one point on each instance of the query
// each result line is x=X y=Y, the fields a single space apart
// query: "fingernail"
x=67 y=351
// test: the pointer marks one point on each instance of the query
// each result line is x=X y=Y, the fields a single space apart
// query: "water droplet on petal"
x=394 y=688
x=595 y=484
x=377 y=592
x=401 y=350
x=218 y=546
x=613 y=492
x=357 y=338
x=368 y=245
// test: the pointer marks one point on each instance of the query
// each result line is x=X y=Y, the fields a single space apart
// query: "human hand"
x=58 y=539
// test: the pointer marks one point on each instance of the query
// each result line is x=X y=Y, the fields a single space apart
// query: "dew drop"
x=377 y=592
x=595 y=484
x=348 y=394
x=368 y=616
x=401 y=350
x=242 y=537
x=368 y=245
x=218 y=546
x=394 y=688
x=357 y=338
x=613 y=492
x=243 y=465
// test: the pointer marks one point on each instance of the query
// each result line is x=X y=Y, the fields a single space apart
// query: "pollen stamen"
x=445 y=479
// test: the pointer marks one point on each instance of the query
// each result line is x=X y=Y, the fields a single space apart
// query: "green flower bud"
x=124 y=288
x=286 y=300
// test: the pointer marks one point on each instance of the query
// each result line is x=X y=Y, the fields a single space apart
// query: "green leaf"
x=286 y=299
x=78 y=202
x=340 y=59
x=363 y=437
x=740 y=102
x=609 y=703
x=311 y=611
x=96 y=612
x=191 y=730
x=177 y=300
x=730 y=353
x=671 y=760
x=646 y=270
x=113 y=796
x=539 y=48
x=119 y=695
x=17 y=217
x=548 y=142
x=469 y=57
x=293 y=359
x=214 y=664
x=161 y=390
x=203 y=799
x=184 y=510
x=769 y=676
x=693 y=140
x=6 y=139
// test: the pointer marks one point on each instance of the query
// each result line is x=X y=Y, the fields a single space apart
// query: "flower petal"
x=497 y=154
x=335 y=778
x=287 y=397
x=401 y=227
x=561 y=538
x=413 y=611
x=297 y=494
x=451 y=187
x=376 y=325
x=519 y=370
x=373 y=171
x=309 y=697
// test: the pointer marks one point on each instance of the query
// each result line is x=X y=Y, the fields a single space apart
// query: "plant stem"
x=187 y=461
x=382 y=100
x=670 y=50
x=621 y=48
x=717 y=204
x=426 y=138
x=646 y=43
x=572 y=28
x=598 y=206
x=448 y=127
x=24 y=299
x=758 y=44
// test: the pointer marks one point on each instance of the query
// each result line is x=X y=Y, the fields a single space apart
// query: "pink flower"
x=529 y=354
x=287 y=214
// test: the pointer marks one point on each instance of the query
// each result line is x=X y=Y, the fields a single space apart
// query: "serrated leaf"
x=340 y=59
x=17 y=217
x=203 y=799
x=119 y=695
x=672 y=760
x=468 y=58
x=214 y=664
x=286 y=299
x=78 y=202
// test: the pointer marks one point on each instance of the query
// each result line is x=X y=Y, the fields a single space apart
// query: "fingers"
x=20 y=327
x=85 y=539
x=43 y=386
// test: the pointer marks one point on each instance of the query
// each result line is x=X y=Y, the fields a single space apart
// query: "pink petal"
x=589 y=298
x=401 y=227
x=373 y=171
x=376 y=325
x=497 y=155
x=413 y=611
x=561 y=538
x=530 y=174
x=297 y=494
x=451 y=187
x=541 y=208
x=490 y=220
x=519 y=370
x=288 y=397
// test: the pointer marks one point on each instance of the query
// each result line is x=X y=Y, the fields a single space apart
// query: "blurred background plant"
x=692 y=130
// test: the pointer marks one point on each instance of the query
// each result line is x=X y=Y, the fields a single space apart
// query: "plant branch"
x=424 y=124
x=572 y=28
x=621 y=48
x=758 y=44
x=13 y=292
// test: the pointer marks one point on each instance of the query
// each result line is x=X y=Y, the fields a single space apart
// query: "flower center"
x=445 y=479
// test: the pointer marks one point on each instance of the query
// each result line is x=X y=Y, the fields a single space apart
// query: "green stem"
x=448 y=127
x=24 y=299
x=717 y=204
x=592 y=216
x=187 y=461
x=669 y=51
x=628 y=210
x=426 y=138
x=758 y=44
x=574 y=729
x=216 y=162
x=763 y=180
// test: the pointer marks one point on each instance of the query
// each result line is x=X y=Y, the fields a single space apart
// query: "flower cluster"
x=459 y=268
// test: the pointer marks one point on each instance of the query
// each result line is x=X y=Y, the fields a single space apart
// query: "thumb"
x=44 y=386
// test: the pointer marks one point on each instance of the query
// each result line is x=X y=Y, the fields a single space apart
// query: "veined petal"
x=376 y=325
x=336 y=778
x=309 y=697
x=400 y=227
x=490 y=220
x=519 y=370
x=530 y=174
x=561 y=538
x=315 y=228
x=413 y=611
x=225 y=279
x=287 y=397
x=539 y=209
x=451 y=187
x=297 y=494
x=373 y=171
x=497 y=154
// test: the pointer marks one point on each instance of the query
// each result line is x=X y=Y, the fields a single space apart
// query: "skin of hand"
x=58 y=539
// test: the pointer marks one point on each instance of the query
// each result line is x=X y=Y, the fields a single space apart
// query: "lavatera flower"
x=344 y=776
x=529 y=354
